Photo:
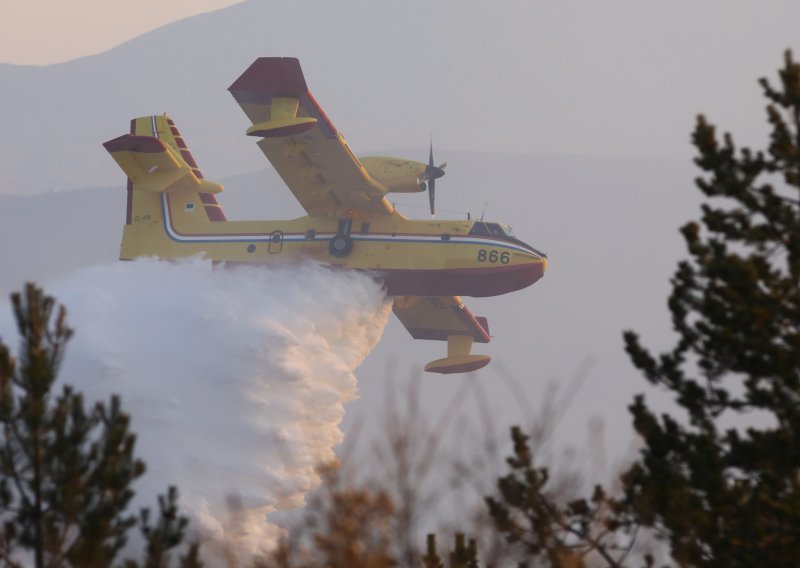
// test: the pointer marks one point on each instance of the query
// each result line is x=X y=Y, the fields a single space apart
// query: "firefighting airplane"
x=425 y=265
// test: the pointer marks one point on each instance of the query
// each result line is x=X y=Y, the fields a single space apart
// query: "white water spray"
x=235 y=378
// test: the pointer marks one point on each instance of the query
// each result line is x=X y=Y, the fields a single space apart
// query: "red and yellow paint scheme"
x=425 y=265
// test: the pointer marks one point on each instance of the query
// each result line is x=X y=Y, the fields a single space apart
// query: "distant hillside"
x=598 y=208
x=47 y=235
x=525 y=77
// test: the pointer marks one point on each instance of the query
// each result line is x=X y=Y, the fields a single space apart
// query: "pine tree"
x=464 y=555
x=65 y=470
x=724 y=488
x=547 y=528
x=431 y=559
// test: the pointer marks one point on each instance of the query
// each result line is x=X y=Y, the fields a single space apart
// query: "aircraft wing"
x=445 y=318
x=301 y=142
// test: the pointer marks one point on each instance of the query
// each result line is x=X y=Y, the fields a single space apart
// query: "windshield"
x=493 y=229
x=502 y=231
x=478 y=228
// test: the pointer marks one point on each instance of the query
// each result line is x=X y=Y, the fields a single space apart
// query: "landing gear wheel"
x=340 y=245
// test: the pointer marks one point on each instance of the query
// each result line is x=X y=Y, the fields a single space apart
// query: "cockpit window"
x=493 y=229
x=502 y=231
x=479 y=228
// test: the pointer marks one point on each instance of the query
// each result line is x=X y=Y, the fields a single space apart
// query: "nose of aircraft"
x=528 y=272
x=537 y=265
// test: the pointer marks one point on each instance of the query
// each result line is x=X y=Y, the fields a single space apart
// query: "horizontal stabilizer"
x=155 y=167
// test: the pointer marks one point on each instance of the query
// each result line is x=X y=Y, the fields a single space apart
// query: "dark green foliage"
x=65 y=471
x=432 y=558
x=548 y=528
x=463 y=555
x=723 y=495
x=167 y=534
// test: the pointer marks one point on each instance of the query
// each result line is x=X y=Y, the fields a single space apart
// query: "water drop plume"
x=236 y=378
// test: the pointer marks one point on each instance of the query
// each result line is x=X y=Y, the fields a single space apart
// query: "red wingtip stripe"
x=215 y=213
x=269 y=77
x=128 y=142
x=212 y=207
x=129 y=202
x=189 y=159
x=479 y=334
x=484 y=324
x=275 y=75
x=316 y=111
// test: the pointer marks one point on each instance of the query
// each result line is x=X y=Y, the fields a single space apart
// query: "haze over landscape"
x=568 y=121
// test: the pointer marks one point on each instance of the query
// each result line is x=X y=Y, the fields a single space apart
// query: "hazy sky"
x=39 y=32
x=534 y=90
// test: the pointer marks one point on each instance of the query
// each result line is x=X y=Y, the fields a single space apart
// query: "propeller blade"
x=432 y=173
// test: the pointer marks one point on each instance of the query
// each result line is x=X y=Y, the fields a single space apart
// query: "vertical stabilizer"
x=163 y=128
x=165 y=186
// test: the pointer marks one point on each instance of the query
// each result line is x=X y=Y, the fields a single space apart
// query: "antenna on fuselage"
x=485 y=205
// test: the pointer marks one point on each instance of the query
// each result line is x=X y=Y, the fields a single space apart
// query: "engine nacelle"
x=397 y=175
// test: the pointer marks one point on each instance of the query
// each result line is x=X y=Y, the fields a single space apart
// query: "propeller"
x=432 y=173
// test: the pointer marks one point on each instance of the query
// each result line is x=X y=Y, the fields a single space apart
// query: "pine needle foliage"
x=548 y=529
x=724 y=488
x=463 y=555
x=431 y=559
x=66 y=471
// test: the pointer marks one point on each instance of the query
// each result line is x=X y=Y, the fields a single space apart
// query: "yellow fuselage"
x=412 y=257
